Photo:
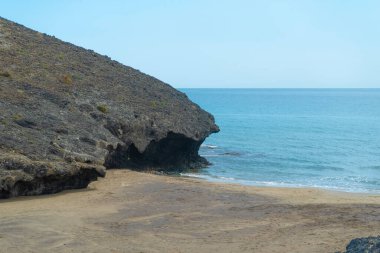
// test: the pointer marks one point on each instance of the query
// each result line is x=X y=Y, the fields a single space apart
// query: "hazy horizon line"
x=285 y=88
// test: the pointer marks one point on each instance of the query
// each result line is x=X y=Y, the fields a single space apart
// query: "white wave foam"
x=233 y=180
x=209 y=146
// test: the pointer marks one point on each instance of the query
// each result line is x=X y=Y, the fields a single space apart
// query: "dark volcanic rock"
x=67 y=114
x=364 y=245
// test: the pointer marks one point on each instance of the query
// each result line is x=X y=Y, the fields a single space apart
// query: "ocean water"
x=325 y=138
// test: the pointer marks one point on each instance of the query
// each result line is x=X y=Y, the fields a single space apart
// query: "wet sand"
x=138 y=212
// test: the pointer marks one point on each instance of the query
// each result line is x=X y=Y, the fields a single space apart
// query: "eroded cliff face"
x=67 y=114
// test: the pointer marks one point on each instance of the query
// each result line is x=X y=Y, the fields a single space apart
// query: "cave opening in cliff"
x=175 y=152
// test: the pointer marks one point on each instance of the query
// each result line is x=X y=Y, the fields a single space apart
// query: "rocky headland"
x=67 y=114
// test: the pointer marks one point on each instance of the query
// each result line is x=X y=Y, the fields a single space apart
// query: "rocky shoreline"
x=67 y=114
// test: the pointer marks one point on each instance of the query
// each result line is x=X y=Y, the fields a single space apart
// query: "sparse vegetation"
x=67 y=79
x=154 y=104
x=5 y=74
x=61 y=56
x=17 y=117
x=3 y=122
x=102 y=108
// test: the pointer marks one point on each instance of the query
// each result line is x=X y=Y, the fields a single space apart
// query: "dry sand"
x=138 y=212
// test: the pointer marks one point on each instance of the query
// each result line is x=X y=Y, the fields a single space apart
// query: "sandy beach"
x=138 y=212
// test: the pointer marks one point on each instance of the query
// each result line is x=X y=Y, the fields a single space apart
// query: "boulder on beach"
x=364 y=245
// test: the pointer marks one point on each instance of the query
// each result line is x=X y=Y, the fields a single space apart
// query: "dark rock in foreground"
x=364 y=245
x=67 y=114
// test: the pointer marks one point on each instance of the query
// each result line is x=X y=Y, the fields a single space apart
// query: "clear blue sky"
x=236 y=43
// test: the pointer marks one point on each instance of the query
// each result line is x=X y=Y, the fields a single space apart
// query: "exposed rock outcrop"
x=67 y=114
x=364 y=245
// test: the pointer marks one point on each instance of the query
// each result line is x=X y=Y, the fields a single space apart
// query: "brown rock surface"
x=67 y=114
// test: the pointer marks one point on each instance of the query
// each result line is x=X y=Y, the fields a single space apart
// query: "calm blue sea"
x=326 y=138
